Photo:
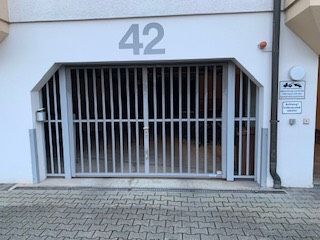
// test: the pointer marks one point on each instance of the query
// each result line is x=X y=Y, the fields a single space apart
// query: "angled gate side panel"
x=65 y=117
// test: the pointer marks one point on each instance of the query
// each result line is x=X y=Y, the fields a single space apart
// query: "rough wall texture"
x=59 y=10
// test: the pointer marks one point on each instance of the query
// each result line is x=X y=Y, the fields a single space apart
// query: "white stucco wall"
x=32 y=49
x=59 y=10
x=296 y=143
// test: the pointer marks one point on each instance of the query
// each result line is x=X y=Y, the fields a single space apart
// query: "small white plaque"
x=292 y=107
x=292 y=90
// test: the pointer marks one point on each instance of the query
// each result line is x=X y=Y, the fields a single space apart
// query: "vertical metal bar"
x=205 y=119
x=163 y=123
x=224 y=119
x=188 y=121
x=55 y=101
x=180 y=120
x=120 y=119
x=214 y=121
x=248 y=126
x=49 y=127
x=80 y=121
x=96 y=118
x=105 y=143
x=128 y=118
x=240 y=126
x=155 y=116
x=88 y=119
x=72 y=137
x=112 y=122
x=197 y=119
x=171 y=122
x=67 y=124
x=137 y=118
x=145 y=119
x=230 y=121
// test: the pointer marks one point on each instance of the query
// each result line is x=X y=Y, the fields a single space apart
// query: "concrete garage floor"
x=145 y=183
x=151 y=214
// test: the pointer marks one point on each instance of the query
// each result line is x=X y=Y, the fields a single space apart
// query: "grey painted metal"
x=214 y=120
x=88 y=117
x=65 y=116
x=55 y=102
x=164 y=160
x=128 y=122
x=227 y=120
x=274 y=93
x=80 y=123
x=37 y=99
x=240 y=125
x=96 y=117
x=167 y=120
x=120 y=119
x=264 y=156
x=188 y=122
x=166 y=93
x=55 y=175
x=105 y=139
x=197 y=119
x=224 y=121
x=72 y=136
x=244 y=160
x=230 y=121
x=257 y=142
x=248 y=126
x=205 y=120
x=146 y=120
x=153 y=175
x=155 y=116
x=171 y=121
x=50 y=128
x=34 y=156
x=112 y=122
x=137 y=118
x=180 y=120
x=244 y=177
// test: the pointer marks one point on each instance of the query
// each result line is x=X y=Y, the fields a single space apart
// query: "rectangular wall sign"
x=292 y=107
x=292 y=90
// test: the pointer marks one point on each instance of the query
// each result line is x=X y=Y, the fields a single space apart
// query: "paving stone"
x=57 y=214
x=51 y=233
x=69 y=234
x=134 y=235
x=191 y=237
x=116 y=234
x=102 y=234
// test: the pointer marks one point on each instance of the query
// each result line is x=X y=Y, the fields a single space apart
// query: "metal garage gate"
x=150 y=121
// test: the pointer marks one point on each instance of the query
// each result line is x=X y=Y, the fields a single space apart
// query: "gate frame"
x=227 y=130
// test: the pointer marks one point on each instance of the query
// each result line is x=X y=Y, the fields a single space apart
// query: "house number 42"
x=135 y=43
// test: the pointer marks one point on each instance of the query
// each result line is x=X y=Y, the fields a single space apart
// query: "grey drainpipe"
x=274 y=94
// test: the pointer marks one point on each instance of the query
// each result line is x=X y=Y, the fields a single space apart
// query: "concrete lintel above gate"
x=303 y=18
x=4 y=26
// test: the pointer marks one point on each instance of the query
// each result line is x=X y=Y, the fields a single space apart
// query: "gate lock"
x=41 y=115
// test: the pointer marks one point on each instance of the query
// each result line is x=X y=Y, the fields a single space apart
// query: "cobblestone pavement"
x=147 y=214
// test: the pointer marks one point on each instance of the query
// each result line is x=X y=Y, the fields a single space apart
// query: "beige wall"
x=4 y=18
x=303 y=18
x=4 y=10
